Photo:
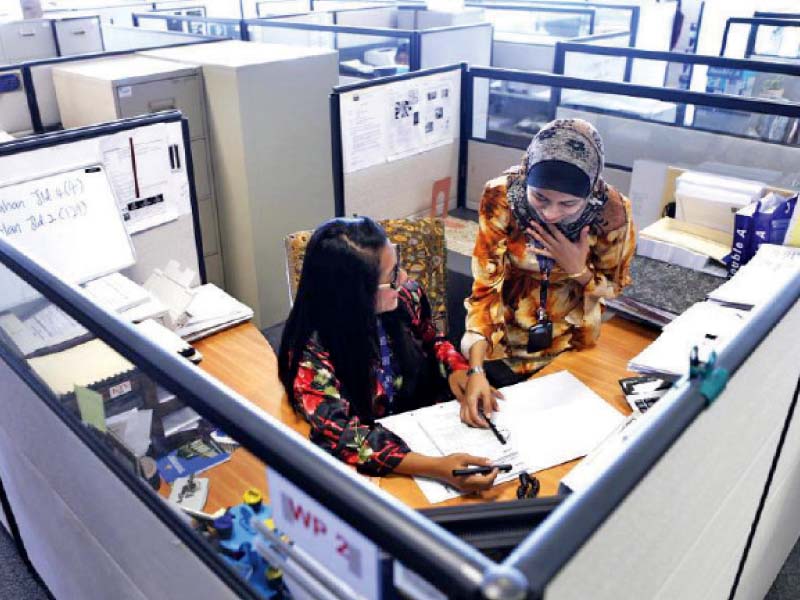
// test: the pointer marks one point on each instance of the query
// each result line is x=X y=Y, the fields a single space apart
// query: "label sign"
x=350 y=556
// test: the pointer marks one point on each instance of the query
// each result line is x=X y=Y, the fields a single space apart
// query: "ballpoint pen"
x=481 y=470
x=496 y=433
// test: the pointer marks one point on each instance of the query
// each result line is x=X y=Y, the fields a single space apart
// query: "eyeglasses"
x=528 y=486
x=394 y=283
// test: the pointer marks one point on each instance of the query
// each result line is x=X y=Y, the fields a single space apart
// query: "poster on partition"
x=399 y=119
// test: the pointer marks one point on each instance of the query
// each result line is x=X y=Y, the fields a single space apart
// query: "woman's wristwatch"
x=474 y=370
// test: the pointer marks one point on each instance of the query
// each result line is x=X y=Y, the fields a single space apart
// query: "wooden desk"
x=242 y=359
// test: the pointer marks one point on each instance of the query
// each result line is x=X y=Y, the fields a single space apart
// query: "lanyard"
x=386 y=373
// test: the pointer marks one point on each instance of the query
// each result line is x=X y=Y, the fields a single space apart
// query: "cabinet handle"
x=79 y=32
x=157 y=105
x=27 y=34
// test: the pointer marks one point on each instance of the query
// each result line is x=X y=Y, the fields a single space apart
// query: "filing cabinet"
x=107 y=89
x=270 y=134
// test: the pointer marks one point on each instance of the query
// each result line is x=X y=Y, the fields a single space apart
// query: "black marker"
x=481 y=470
x=496 y=433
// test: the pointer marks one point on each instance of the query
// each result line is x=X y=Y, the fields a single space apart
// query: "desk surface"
x=242 y=359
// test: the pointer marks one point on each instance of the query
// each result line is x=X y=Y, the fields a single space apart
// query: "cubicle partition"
x=524 y=37
x=368 y=52
x=219 y=28
x=712 y=74
x=711 y=465
x=385 y=130
x=762 y=38
x=642 y=128
x=269 y=8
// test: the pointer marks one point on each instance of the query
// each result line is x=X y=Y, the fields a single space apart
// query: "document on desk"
x=756 y=282
x=546 y=421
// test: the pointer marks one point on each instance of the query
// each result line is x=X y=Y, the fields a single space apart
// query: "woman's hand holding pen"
x=570 y=256
x=479 y=395
x=466 y=483
x=442 y=467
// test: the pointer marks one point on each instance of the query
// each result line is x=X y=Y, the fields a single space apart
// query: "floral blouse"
x=374 y=450
x=505 y=292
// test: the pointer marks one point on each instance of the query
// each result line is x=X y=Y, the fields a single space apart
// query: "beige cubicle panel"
x=107 y=89
x=271 y=152
x=682 y=531
x=406 y=173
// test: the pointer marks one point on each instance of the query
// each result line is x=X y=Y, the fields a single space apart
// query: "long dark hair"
x=336 y=300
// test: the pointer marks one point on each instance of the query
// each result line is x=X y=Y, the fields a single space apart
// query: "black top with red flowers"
x=373 y=449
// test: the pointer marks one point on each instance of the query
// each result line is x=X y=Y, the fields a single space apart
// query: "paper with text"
x=548 y=421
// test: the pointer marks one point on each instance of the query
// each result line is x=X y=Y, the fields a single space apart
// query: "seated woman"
x=554 y=240
x=359 y=344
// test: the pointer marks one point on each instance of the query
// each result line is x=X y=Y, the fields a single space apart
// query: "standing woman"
x=360 y=344
x=554 y=240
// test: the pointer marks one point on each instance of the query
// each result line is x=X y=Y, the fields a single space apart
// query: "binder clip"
x=714 y=379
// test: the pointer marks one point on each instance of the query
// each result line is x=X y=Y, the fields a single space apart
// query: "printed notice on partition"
x=423 y=114
x=399 y=119
x=139 y=164
x=362 y=129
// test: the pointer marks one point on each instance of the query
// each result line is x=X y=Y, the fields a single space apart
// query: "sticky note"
x=90 y=405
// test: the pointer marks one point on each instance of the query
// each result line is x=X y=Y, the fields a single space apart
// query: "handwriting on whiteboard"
x=46 y=205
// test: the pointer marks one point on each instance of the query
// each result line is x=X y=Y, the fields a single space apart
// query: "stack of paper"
x=212 y=310
x=119 y=294
x=694 y=238
x=546 y=421
x=48 y=329
x=707 y=325
x=712 y=200
x=756 y=282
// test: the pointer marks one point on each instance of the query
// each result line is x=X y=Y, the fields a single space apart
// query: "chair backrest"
x=422 y=255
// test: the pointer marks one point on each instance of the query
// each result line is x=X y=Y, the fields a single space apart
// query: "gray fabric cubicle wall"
x=681 y=532
x=81 y=526
x=471 y=44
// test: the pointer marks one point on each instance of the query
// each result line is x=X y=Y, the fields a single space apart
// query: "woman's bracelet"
x=580 y=273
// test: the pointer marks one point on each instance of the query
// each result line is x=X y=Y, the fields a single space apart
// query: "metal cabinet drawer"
x=79 y=36
x=182 y=93
x=201 y=162
x=27 y=40
x=208 y=226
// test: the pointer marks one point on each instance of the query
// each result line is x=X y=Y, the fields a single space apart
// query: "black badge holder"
x=540 y=336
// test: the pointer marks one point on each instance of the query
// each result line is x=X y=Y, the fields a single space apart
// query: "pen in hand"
x=481 y=470
x=492 y=426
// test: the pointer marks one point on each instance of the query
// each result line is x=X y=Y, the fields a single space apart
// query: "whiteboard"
x=67 y=221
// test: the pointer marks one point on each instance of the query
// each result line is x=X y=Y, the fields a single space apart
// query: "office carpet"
x=15 y=579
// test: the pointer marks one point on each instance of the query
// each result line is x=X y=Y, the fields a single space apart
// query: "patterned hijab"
x=572 y=141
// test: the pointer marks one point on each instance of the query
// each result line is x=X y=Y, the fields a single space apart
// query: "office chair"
x=422 y=255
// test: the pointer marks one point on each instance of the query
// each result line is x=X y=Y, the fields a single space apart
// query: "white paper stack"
x=119 y=294
x=212 y=310
x=48 y=328
x=756 y=282
x=712 y=200
x=707 y=325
